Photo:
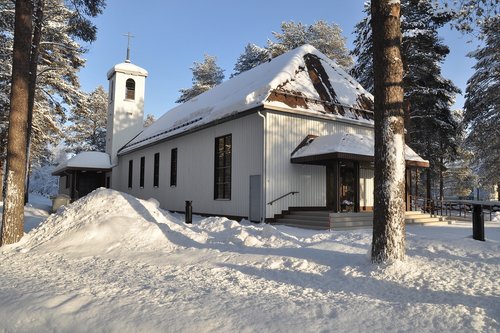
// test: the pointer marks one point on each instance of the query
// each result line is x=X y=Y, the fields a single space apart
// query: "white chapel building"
x=293 y=133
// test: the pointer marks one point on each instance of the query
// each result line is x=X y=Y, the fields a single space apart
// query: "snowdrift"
x=113 y=263
x=106 y=221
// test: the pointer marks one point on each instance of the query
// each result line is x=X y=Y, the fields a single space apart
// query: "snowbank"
x=111 y=262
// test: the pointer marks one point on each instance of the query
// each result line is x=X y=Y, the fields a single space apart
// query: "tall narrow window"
x=130 y=172
x=222 y=179
x=141 y=175
x=111 y=89
x=156 y=170
x=173 y=167
x=130 y=89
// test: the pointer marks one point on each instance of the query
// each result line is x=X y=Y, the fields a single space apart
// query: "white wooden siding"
x=284 y=133
x=366 y=188
x=195 y=168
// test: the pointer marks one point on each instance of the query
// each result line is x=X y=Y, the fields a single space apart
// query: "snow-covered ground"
x=112 y=263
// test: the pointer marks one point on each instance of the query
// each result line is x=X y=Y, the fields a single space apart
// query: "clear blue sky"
x=171 y=34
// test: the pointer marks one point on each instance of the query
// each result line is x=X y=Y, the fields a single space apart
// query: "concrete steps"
x=306 y=219
x=322 y=220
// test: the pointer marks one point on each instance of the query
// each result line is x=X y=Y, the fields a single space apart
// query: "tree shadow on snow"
x=338 y=276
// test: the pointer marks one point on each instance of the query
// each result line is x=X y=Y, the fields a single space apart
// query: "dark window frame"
x=130 y=89
x=111 y=90
x=223 y=167
x=156 y=170
x=130 y=172
x=142 y=171
x=173 y=166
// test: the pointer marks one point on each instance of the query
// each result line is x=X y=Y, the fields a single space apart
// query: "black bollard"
x=478 y=223
x=189 y=212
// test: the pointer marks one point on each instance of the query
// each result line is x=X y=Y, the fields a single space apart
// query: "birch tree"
x=388 y=241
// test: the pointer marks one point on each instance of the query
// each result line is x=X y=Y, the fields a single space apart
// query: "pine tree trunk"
x=428 y=182
x=441 y=179
x=13 y=213
x=1 y=176
x=388 y=241
x=35 y=46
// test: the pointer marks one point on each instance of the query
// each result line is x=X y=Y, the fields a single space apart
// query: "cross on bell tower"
x=128 y=35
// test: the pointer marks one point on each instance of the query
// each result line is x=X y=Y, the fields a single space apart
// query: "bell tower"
x=125 y=105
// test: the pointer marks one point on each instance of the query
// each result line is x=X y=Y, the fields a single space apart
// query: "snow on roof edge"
x=85 y=160
x=243 y=92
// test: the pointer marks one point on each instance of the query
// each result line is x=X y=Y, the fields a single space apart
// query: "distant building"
x=293 y=132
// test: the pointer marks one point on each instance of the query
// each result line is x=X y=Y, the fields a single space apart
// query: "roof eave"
x=66 y=169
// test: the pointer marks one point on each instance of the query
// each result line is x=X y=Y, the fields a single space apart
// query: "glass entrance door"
x=348 y=186
x=342 y=186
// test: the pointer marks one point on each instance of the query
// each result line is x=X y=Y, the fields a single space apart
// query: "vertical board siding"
x=195 y=168
x=366 y=186
x=284 y=133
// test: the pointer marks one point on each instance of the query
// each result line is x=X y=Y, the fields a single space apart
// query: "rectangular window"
x=66 y=181
x=156 y=170
x=173 y=167
x=141 y=175
x=222 y=179
x=130 y=172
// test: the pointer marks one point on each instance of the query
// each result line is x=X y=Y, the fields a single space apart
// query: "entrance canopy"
x=83 y=173
x=322 y=149
x=85 y=161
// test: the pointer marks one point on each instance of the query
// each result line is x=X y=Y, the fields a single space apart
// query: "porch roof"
x=321 y=149
x=88 y=160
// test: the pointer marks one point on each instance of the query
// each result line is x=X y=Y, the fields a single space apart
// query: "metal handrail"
x=281 y=197
x=446 y=207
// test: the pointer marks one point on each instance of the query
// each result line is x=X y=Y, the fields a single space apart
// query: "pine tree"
x=252 y=57
x=13 y=212
x=362 y=70
x=57 y=86
x=6 y=22
x=431 y=128
x=150 y=119
x=327 y=38
x=88 y=118
x=206 y=75
x=26 y=50
x=388 y=242
x=470 y=15
x=482 y=105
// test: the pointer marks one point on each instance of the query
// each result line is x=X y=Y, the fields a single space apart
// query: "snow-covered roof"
x=323 y=147
x=127 y=68
x=303 y=79
x=87 y=160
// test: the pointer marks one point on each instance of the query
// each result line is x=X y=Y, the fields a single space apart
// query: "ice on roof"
x=303 y=74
